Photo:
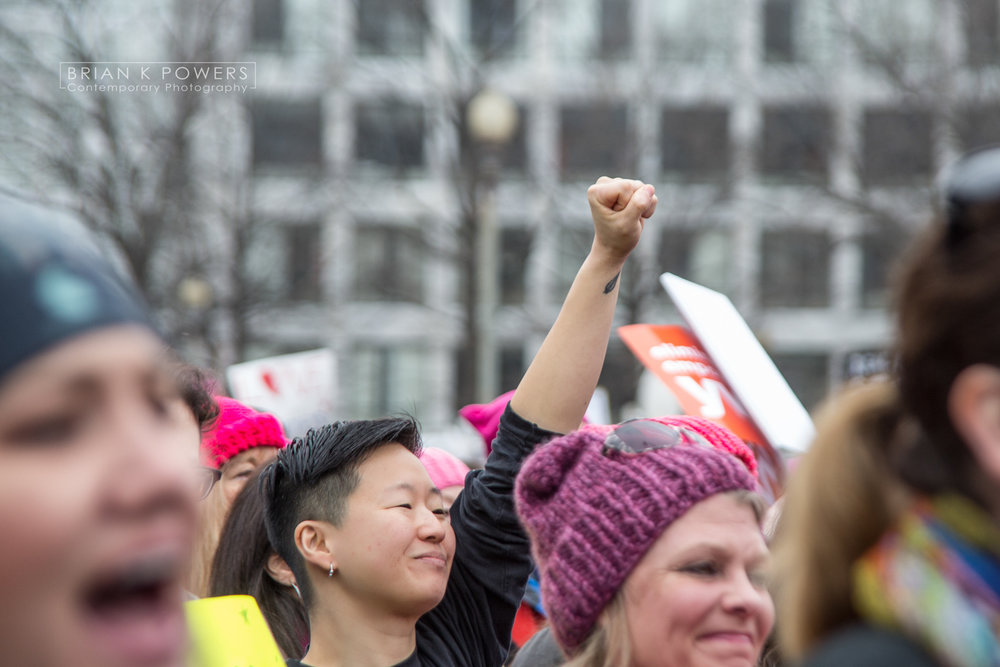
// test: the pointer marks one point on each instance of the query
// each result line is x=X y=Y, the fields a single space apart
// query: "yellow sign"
x=230 y=631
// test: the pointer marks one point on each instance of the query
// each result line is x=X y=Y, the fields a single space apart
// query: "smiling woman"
x=648 y=539
x=241 y=440
x=97 y=497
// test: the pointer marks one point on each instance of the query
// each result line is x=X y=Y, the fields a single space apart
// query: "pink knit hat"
x=593 y=511
x=445 y=468
x=238 y=428
x=485 y=417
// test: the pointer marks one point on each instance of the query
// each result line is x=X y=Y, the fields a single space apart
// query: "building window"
x=778 y=30
x=512 y=366
x=880 y=247
x=390 y=134
x=287 y=134
x=574 y=244
x=515 y=247
x=616 y=29
x=897 y=146
x=268 y=22
x=795 y=269
x=595 y=140
x=304 y=262
x=695 y=31
x=701 y=256
x=389 y=264
x=493 y=27
x=978 y=126
x=390 y=27
x=695 y=142
x=592 y=29
x=889 y=33
x=795 y=142
x=807 y=374
x=982 y=25
x=388 y=380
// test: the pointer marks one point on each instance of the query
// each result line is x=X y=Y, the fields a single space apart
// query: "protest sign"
x=674 y=355
x=743 y=363
x=297 y=388
x=231 y=631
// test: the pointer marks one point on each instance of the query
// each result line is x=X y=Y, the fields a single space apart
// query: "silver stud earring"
x=330 y=573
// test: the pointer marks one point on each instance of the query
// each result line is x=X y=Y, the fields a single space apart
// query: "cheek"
x=666 y=613
x=231 y=488
x=44 y=521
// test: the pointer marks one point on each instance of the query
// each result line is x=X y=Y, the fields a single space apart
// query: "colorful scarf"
x=935 y=577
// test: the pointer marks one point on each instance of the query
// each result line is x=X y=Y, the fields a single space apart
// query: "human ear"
x=278 y=570
x=974 y=408
x=314 y=541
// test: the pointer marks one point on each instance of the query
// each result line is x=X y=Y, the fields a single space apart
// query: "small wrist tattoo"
x=611 y=283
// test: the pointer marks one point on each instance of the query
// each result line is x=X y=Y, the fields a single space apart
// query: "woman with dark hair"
x=245 y=564
x=889 y=545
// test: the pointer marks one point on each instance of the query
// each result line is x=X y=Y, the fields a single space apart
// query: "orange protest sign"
x=674 y=355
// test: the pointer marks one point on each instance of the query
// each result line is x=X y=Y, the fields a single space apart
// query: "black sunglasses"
x=972 y=180
x=642 y=435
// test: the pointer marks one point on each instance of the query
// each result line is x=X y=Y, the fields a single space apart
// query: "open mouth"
x=136 y=611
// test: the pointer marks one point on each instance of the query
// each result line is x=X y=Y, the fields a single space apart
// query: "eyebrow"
x=406 y=486
x=716 y=550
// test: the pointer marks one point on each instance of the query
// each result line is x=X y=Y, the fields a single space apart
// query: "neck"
x=345 y=633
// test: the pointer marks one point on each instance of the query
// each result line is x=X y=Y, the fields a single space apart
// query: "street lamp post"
x=492 y=119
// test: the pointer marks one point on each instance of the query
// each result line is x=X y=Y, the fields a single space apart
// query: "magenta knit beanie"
x=593 y=513
x=444 y=468
x=485 y=417
x=238 y=428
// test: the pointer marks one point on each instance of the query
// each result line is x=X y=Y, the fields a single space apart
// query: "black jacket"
x=863 y=645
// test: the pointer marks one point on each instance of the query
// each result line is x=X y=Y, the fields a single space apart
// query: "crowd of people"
x=129 y=484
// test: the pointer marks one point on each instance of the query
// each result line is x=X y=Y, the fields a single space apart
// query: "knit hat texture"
x=55 y=284
x=239 y=428
x=485 y=417
x=444 y=468
x=592 y=514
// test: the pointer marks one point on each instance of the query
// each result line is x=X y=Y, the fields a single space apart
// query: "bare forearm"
x=557 y=387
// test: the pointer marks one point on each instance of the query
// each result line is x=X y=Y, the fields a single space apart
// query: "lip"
x=731 y=637
x=154 y=632
x=132 y=605
x=434 y=558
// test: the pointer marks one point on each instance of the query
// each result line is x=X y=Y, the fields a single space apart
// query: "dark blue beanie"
x=54 y=284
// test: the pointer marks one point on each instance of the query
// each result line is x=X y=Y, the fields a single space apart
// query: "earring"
x=330 y=573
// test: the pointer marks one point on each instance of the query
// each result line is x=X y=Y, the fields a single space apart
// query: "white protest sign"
x=298 y=388
x=744 y=364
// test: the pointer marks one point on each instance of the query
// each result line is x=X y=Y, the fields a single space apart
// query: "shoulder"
x=867 y=646
x=539 y=651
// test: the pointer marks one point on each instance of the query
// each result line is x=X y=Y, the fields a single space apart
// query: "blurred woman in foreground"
x=98 y=466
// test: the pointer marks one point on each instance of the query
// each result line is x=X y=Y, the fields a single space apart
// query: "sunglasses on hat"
x=642 y=435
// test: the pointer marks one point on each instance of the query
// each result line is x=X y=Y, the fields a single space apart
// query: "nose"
x=432 y=526
x=746 y=596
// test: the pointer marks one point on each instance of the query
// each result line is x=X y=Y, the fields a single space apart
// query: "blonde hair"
x=609 y=643
x=211 y=517
x=841 y=498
